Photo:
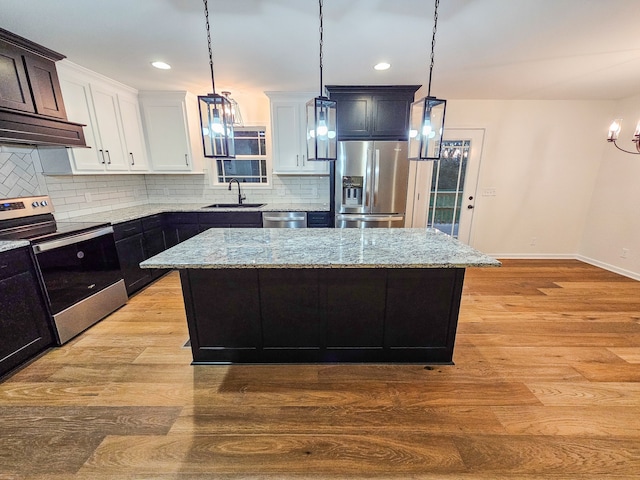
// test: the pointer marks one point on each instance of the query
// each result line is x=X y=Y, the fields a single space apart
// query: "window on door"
x=250 y=164
x=447 y=185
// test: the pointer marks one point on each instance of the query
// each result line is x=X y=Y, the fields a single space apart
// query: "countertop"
x=320 y=248
x=6 y=245
x=133 y=213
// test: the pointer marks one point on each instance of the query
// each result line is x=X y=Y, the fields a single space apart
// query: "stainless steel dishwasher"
x=284 y=219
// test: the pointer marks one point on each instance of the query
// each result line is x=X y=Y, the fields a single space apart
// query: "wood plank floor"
x=546 y=385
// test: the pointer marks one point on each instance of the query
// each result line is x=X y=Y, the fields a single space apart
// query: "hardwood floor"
x=546 y=385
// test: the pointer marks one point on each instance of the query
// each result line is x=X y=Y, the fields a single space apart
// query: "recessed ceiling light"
x=382 y=66
x=161 y=65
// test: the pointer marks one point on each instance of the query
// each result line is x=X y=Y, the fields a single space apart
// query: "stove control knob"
x=35 y=204
x=44 y=203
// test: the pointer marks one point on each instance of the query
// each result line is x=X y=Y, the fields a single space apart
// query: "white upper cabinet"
x=289 y=135
x=172 y=131
x=113 y=130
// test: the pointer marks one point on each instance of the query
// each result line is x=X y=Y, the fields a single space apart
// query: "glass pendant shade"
x=217 y=126
x=426 y=128
x=322 y=138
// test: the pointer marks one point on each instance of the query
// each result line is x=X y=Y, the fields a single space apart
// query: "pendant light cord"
x=433 y=44
x=206 y=14
x=321 y=42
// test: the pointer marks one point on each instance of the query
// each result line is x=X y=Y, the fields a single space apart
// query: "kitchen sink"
x=235 y=205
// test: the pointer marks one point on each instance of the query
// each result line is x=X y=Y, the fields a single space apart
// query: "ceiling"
x=507 y=49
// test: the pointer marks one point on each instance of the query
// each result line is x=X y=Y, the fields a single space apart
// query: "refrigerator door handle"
x=376 y=176
x=368 y=179
x=369 y=218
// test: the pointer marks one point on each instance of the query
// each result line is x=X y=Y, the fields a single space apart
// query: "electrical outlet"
x=166 y=191
x=533 y=242
x=489 y=192
x=87 y=197
x=624 y=253
x=314 y=192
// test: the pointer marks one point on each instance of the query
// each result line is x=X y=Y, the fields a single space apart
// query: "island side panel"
x=223 y=314
x=322 y=315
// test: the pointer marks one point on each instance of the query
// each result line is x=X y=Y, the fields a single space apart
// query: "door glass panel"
x=447 y=185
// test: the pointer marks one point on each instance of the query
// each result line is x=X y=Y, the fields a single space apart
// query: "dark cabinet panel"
x=361 y=323
x=130 y=253
x=14 y=84
x=289 y=299
x=45 y=86
x=319 y=220
x=24 y=321
x=373 y=112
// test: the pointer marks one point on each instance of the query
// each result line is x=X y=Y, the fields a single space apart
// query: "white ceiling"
x=511 y=49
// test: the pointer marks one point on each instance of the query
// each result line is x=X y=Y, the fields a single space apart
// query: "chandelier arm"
x=626 y=151
x=433 y=45
x=206 y=14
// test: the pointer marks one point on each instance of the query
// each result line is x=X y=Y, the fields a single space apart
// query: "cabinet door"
x=167 y=137
x=132 y=127
x=353 y=116
x=14 y=85
x=288 y=135
x=111 y=138
x=131 y=253
x=24 y=321
x=390 y=116
x=78 y=103
x=45 y=86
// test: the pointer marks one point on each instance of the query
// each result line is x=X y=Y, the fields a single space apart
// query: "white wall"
x=542 y=158
x=613 y=223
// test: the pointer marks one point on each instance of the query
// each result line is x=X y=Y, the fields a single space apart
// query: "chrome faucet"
x=240 y=196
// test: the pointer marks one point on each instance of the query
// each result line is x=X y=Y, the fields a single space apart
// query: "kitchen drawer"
x=14 y=262
x=319 y=219
x=223 y=219
x=172 y=218
x=127 y=229
x=151 y=222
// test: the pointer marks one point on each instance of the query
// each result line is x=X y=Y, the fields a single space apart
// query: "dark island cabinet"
x=373 y=112
x=25 y=326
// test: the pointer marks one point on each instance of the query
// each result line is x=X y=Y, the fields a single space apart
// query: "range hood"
x=31 y=108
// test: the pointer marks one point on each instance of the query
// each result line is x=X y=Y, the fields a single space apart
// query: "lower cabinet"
x=319 y=220
x=179 y=226
x=208 y=220
x=24 y=321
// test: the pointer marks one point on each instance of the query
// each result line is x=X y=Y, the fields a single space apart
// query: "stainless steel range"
x=77 y=262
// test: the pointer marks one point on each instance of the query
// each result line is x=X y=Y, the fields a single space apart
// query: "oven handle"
x=63 y=242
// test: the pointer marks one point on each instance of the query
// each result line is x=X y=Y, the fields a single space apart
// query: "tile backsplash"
x=74 y=195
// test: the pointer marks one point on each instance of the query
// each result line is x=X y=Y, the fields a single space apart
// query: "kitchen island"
x=328 y=295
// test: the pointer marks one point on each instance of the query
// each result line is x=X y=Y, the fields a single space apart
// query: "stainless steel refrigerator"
x=371 y=184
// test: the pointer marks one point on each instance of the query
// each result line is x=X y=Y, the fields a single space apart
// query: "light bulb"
x=331 y=134
x=323 y=130
x=426 y=130
x=216 y=126
x=413 y=133
x=614 y=129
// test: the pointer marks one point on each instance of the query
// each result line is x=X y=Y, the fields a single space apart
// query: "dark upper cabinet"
x=373 y=112
x=31 y=108
x=24 y=320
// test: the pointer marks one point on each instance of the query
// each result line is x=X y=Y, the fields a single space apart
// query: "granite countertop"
x=133 y=213
x=6 y=245
x=320 y=248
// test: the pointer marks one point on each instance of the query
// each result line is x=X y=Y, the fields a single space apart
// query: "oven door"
x=76 y=267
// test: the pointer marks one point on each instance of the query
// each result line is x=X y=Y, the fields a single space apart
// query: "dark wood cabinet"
x=319 y=220
x=25 y=324
x=179 y=226
x=131 y=251
x=208 y=220
x=31 y=107
x=373 y=112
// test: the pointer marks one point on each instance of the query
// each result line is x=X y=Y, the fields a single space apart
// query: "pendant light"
x=427 y=116
x=215 y=115
x=322 y=141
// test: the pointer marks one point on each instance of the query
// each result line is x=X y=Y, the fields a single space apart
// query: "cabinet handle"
x=133 y=162
x=102 y=155
x=297 y=161
x=303 y=156
x=186 y=159
x=108 y=157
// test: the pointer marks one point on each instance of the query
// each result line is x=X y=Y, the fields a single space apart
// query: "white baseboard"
x=562 y=256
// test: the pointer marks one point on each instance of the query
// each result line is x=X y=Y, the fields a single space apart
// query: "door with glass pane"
x=445 y=190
